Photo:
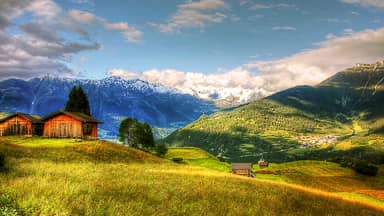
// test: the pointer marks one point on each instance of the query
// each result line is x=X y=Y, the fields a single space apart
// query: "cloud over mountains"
x=261 y=78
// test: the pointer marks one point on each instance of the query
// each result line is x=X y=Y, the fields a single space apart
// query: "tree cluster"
x=78 y=101
x=136 y=134
x=359 y=165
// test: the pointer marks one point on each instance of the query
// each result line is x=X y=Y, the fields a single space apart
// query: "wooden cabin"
x=244 y=169
x=263 y=164
x=21 y=124
x=70 y=124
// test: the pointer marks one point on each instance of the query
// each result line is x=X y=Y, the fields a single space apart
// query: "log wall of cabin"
x=94 y=130
x=63 y=126
x=16 y=125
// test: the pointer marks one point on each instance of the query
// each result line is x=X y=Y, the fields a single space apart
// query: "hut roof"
x=79 y=116
x=32 y=118
x=236 y=166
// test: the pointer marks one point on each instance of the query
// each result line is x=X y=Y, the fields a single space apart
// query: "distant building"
x=70 y=124
x=263 y=164
x=244 y=169
x=21 y=124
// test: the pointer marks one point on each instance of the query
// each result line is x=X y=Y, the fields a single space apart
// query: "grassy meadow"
x=66 y=177
x=197 y=157
x=316 y=175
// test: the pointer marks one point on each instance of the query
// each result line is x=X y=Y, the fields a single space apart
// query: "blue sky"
x=245 y=34
x=173 y=42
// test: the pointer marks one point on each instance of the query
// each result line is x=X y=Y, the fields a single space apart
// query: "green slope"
x=343 y=107
x=64 y=177
x=197 y=157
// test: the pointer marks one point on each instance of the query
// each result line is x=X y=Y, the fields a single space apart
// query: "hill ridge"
x=339 y=107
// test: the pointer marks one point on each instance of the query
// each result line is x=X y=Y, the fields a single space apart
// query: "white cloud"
x=283 y=28
x=195 y=14
x=82 y=17
x=270 y=6
x=130 y=33
x=366 y=3
x=128 y=75
x=348 y=31
x=313 y=66
x=46 y=9
x=233 y=87
x=48 y=39
x=261 y=78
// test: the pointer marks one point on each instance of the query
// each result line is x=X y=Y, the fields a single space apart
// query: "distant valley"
x=343 y=115
x=111 y=100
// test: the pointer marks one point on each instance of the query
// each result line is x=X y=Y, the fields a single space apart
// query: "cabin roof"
x=32 y=118
x=79 y=116
x=236 y=166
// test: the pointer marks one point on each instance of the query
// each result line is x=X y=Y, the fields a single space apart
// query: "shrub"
x=161 y=149
x=365 y=168
x=177 y=160
x=358 y=165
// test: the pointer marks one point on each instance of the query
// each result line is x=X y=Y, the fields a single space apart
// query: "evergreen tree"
x=78 y=101
x=147 y=140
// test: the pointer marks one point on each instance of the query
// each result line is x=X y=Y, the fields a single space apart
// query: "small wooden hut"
x=70 y=124
x=21 y=124
x=263 y=163
x=244 y=169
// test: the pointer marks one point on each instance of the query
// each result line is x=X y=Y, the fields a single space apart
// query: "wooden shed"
x=70 y=124
x=244 y=169
x=21 y=124
x=263 y=163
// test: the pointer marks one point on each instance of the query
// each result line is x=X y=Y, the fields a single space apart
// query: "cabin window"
x=87 y=128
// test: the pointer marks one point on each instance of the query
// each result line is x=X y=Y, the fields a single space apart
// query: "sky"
x=246 y=48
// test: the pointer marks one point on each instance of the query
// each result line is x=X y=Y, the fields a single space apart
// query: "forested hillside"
x=304 y=122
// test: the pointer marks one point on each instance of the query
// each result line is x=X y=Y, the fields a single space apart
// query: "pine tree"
x=146 y=138
x=78 y=101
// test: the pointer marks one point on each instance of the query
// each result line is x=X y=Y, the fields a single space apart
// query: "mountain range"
x=343 y=115
x=111 y=99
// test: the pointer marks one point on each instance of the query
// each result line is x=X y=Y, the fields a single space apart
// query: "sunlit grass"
x=100 y=178
x=197 y=157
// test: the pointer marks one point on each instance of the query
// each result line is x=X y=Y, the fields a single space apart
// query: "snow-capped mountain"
x=111 y=99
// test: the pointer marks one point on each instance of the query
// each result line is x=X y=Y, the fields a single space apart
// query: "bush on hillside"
x=358 y=165
x=161 y=149
x=177 y=160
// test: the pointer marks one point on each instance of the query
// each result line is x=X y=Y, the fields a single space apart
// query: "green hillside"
x=313 y=175
x=197 y=157
x=304 y=122
x=65 y=177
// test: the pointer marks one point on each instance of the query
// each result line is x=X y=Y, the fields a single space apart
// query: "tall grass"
x=88 y=183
